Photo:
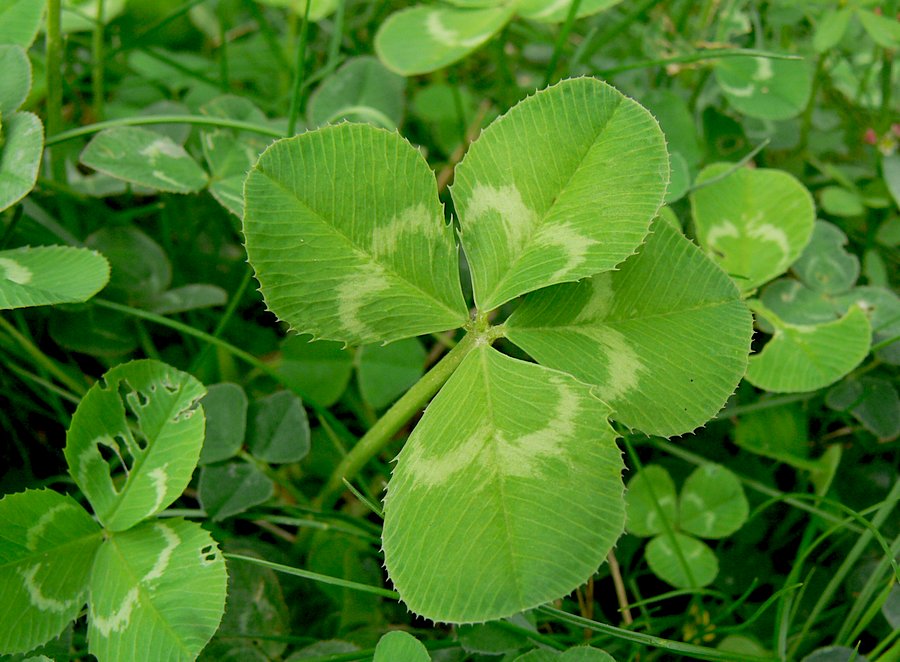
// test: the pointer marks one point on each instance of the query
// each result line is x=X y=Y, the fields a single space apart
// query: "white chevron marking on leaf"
x=119 y=619
x=15 y=272
x=36 y=595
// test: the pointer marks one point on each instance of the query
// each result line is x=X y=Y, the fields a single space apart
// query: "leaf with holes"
x=21 y=146
x=425 y=38
x=142 y=419
x=144 y=157
x=650 y=502
x=48 y=275
x=345 y=248
x=46 y=550
x=755 y=223
x=519 y=478
x=712 y=503
x=158 y=588
x=623 y=330
x=602 y=178
x=802 y=358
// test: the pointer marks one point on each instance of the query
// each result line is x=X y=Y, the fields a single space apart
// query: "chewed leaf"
x=712 y=503
x=764 y=87
x=665 y=338
x=754 y=222
x=555 y=11
x=347 y=248
x=48 y=275
x=16 y=80
x=144 y=157
x=47 y=547
x=158 y=588
x=142 y=418
x=802 y=358
x=651 y=502
x=562 y=187
x=426 y=38
x=20 y=156
x=519 y=476
x=682 y=560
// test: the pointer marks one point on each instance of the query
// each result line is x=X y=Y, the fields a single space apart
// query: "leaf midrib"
x=357 y=249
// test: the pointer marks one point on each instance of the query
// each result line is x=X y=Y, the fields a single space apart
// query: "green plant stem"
x=734 y=168
x=299 y=73
x=230 y=310
x=54 y=84
x=696 y=652
x=97 y=64
x=40 y=381
x=317 y=577
x=561 y=41
x=761 y=405
x=849 y=562
x=42 y=359
x=698 y=56
x=162 y=119
x=380 y=435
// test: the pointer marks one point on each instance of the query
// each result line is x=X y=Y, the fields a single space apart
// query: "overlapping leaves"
x=348 y=250
x=156 y=586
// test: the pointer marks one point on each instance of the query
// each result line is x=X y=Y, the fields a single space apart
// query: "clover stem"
x=381 y=434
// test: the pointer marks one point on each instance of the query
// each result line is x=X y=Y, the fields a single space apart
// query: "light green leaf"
x=681 y=178
x=46 y=275
x=20 y=156
x=556 y=11
x=764 y=87
x=712 y=503
x=649 y=492
x=386 y=371
x=360 y=255
x=362 y=90
x=424 y=38
x=519 y=480
x=666 y=563
x=20 y=20
x=602 y=177
x=831 y=29
x=320 y=371
x=225 y=407
x=825 y=265
x=884 y=31
x=142 y=416
x=890 y=170
x=755 y=222
x=665 y=338
x=397 y=645
x=159 y=589
x=838 y=201
x=802 y=358
x=144 y=157
x=16 y=80
x=280 y=429
x=46 y=550
x=230 y=488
